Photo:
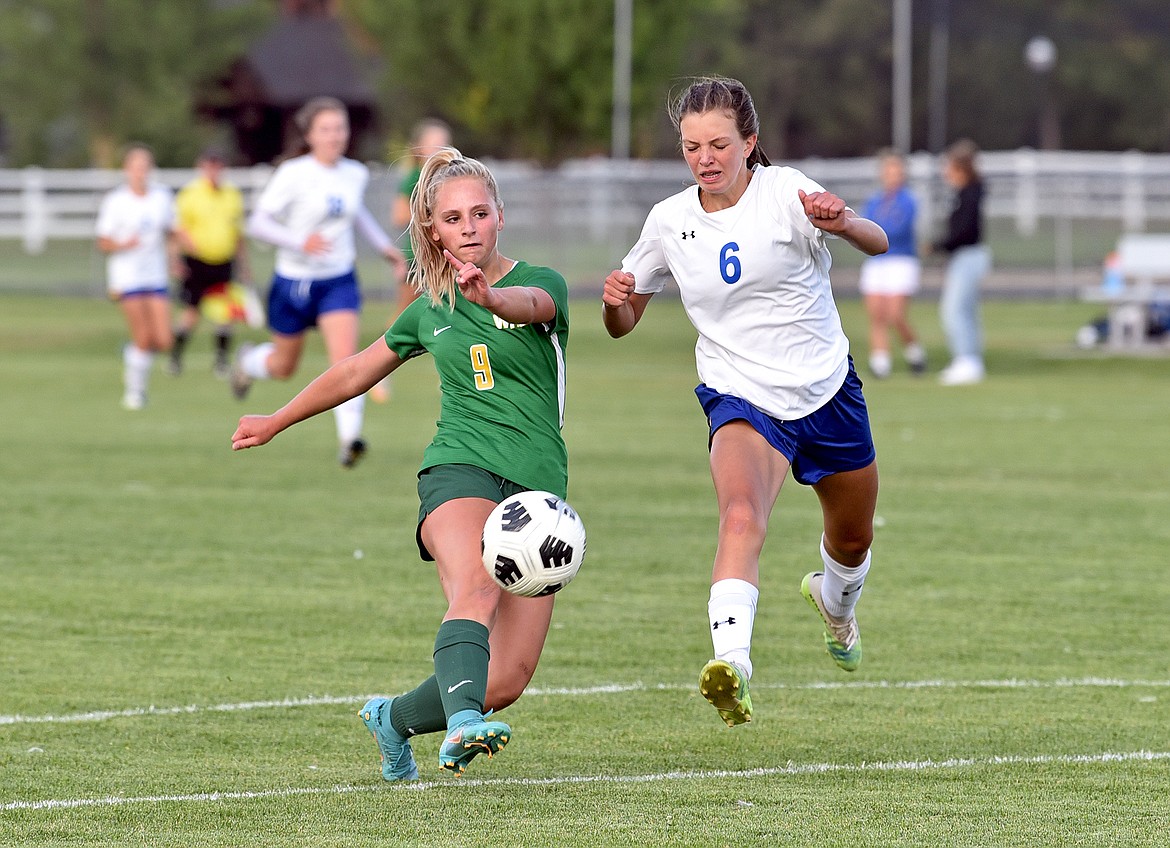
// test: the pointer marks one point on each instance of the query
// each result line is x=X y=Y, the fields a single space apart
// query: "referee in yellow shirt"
x=209 y=221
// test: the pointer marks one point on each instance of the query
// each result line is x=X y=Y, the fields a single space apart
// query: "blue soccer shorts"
x=295 y=305
x=832 y=439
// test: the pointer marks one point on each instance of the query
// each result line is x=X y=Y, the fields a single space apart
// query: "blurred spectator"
x=889 y=280
x=969 y=263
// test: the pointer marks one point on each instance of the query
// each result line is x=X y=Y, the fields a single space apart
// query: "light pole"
x=900 y=120
x=1040 y=54
x=940 y=37
x=623 y=26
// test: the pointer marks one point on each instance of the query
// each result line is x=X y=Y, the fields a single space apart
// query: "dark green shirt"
x=502 y=385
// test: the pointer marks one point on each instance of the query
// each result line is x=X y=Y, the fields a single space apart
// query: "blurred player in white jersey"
x=135 y=229
x=746 y=247
x=309 y=210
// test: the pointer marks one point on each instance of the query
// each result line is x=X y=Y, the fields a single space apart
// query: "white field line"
x=789 y=770
x=584 y=691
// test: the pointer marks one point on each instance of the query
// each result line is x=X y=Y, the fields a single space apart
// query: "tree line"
x=533 y=78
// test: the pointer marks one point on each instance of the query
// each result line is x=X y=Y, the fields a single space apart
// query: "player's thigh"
x=848 y=501
x=746 y=468
x=158 y=310
x=148 y=320
x=339 y=330
x=134 y=311
x=452 y=533
x=874 y=308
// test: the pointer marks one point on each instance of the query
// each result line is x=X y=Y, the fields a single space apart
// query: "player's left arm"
x=826 y=211
x=514 y=304
x=372 y=232
x=349 y=378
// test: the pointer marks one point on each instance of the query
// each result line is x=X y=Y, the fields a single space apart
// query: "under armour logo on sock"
x=729 y=621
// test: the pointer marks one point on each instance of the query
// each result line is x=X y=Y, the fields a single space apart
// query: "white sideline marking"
x=790 y=770
x=610 y=689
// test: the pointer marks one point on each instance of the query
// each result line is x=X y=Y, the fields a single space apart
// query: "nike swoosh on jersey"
x=451 y=689
x=442 y=329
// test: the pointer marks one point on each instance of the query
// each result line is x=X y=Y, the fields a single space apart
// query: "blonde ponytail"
x=431 y=273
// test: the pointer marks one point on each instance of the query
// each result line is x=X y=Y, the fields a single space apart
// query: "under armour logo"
x=729 y=621
x=685 y=236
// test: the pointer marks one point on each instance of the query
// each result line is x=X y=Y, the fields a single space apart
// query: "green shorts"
x=441 y=483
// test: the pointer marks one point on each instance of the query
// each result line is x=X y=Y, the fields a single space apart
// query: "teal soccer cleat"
x=842 y=638
x=397 y=757
x=469 y=737
x=725 y=685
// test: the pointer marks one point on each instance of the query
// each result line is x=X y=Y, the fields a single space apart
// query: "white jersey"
x=306 y=197
x=754 y=281
x=151 y=216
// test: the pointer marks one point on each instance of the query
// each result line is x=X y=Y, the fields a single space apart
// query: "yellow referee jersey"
x=212 y=217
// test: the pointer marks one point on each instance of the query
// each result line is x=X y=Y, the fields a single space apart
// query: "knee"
x=281 y=369
x=503 y=693
x=740 y=518
x=850 y=548
x=477 y=600
x=506 y=686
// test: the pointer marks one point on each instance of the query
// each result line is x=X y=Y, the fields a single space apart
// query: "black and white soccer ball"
x=533 y=544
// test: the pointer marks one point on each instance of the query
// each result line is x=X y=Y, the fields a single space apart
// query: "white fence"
x=598 y=205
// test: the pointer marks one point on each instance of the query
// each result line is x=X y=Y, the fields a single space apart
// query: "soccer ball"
x=533 y=544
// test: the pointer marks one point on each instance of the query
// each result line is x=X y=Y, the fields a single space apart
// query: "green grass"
x=1014 y=620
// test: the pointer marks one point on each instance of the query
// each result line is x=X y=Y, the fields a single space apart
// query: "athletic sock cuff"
x=459 y=631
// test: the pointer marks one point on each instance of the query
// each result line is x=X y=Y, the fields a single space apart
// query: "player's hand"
x=470 y=278
x=397 y=261
x=824 y=209
x=316 y=244
x=618 y=287
x=253 y=431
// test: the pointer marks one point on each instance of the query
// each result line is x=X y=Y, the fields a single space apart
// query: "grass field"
x=186 y=633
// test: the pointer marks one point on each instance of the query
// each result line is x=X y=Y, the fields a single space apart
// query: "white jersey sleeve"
x=646 y=260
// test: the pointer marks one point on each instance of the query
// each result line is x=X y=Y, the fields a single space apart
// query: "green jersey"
x=502 y=385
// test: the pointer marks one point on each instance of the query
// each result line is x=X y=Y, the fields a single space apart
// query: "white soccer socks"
x=254 y=362
x=842 y=584
x=349 y=416
x=136 y=369
x=732 y=613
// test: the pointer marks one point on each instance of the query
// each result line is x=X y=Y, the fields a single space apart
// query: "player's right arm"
x=622 y=307
x=344 y=380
